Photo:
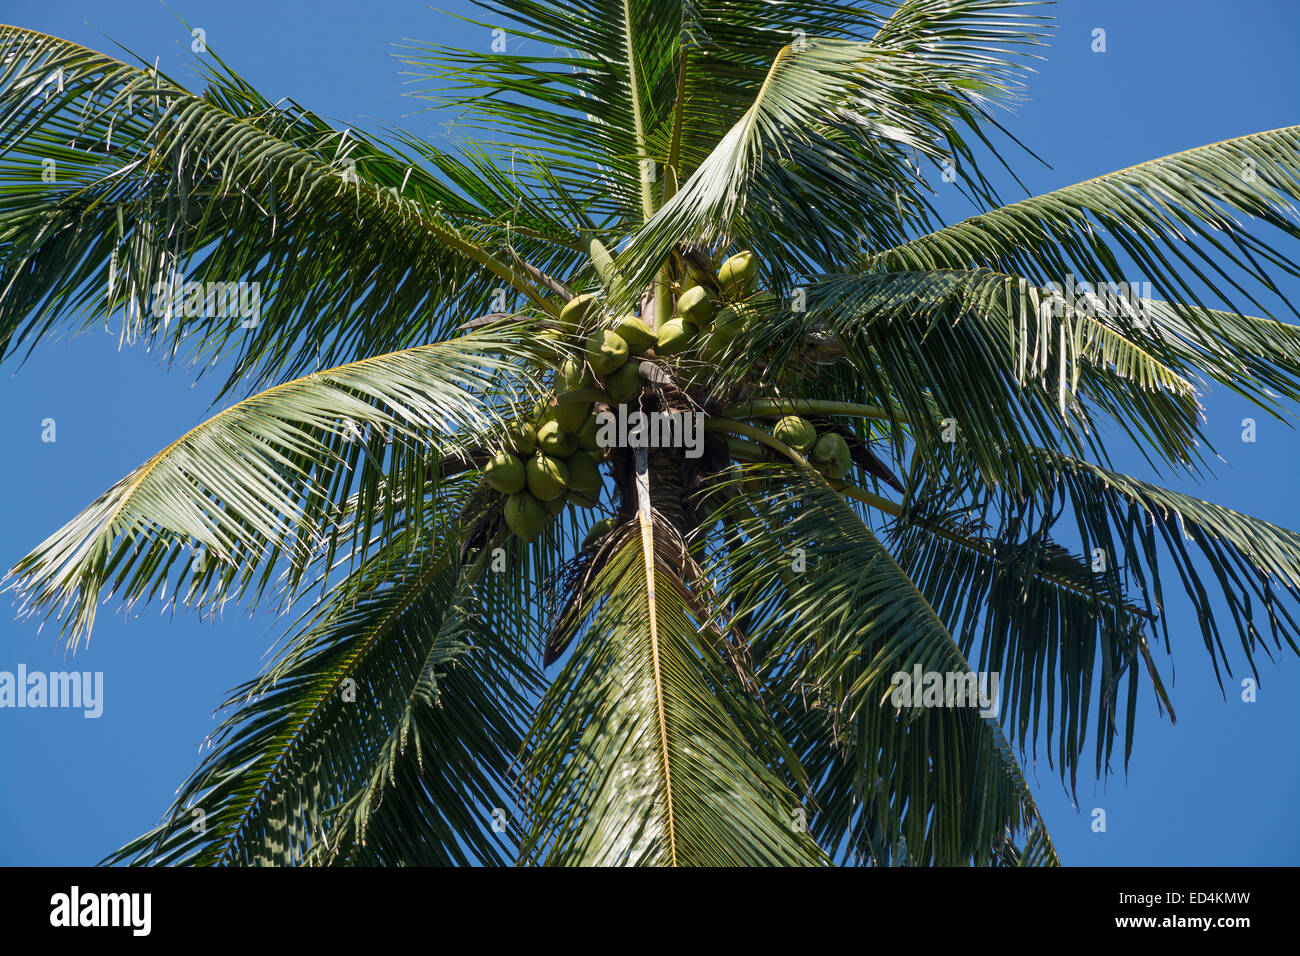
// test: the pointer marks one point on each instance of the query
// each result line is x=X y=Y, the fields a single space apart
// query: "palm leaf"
x=644 y=749
x=1173 y=216
x=1060 y=634
x=1136 y=527
x=981 y=348
x=833 y=635
x=343 y=240
x=383 y=733
x=266 y=479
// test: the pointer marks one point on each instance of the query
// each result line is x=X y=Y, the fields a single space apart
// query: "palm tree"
x=900 y=468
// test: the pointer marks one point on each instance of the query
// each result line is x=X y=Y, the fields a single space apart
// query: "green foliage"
x=756 y=169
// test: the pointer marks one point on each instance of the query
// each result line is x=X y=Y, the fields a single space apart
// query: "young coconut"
x=553 y=440
x=587 y=434
x=577 y=311
x=830 y=455
x=570 y=415
x=584 y=499
x=521 y=437
x=795 y=432
x=739 y=318
x=598 y=530
x=584 y=473
x=695 y=306
x=606 y=352
x=737 y=274
x=505 y=473
x=573 y=374
x=624 y=383
x=731 y=323
x=635 y=333
x=835 y=471
x=712 y=348
x=675 y=336
x=547 y=476
x=525 y=516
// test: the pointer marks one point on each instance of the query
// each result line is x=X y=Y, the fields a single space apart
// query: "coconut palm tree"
x=518 y=632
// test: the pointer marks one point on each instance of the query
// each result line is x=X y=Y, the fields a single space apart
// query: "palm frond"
x=1061 y=634
x=1010 y=364
x=120 y=183
x=266 y=479
x=383 y=733
x=644 y=749
x=833 y=637
x=1134 y=528
x=824 y=155
x=1174 y=216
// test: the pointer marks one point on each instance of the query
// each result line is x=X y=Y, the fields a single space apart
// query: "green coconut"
x=554 y=506
x=547 y=476
x=522 y=438
x=737 y=274
x=695 y=306
x=795 y=432
x=553 y=440
x=829 y=447
x=624 y=383
x=739 y=318
x=835 y=470
x=587 y=434
x=505 y=473
x=606 y=352
x=831 y=455
x=731 y=322
x=675 y=336
x=635 y=333
x=577 y=311
x=573 y=374
x=525 y=516
x=570 y=415
x=712 y=348
x=598 y=530
x=584 y=499
x=584 y=473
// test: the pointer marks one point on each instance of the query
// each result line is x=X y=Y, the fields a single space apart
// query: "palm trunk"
x=668 y=487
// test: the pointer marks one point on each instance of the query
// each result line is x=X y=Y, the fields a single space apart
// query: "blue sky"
x=1220 y=787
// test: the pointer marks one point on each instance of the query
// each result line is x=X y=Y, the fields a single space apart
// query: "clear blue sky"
x=1221 y=787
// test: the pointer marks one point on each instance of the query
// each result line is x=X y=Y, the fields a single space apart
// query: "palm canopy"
x=902 y=462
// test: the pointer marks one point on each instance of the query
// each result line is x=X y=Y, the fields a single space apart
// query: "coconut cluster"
x=552 y=458
x=827 y=452
x=699 y=322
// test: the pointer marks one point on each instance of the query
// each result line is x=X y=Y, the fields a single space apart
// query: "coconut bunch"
x=701 y=323
x=552 y=459
x=827 y=452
